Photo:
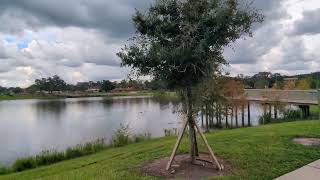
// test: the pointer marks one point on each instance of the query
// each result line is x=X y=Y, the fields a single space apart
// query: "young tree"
x=234 y=92
x=54 y=83
x=303 y=84
x=181 y=42
x=108 y=86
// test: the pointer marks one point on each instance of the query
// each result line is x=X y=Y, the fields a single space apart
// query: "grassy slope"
x=264 y=152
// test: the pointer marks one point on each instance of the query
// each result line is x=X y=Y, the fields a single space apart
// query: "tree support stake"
x=173 y=154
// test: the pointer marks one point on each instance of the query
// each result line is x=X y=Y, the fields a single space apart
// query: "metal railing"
x=311 y=97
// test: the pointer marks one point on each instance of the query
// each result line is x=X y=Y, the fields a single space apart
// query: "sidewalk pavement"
x=308 y=172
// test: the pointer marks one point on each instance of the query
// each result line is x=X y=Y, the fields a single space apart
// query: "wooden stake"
x=176 y=146
x=209 y=148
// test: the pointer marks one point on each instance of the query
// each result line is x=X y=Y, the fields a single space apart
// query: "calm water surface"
x=28 y=127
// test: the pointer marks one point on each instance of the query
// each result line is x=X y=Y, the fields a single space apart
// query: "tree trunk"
x=191 y=124
x=232 y=114
x=207 y=118
x=202 y=118
x=227 y=123
x=275 y=109
x=220 y=116
x=217 y=116
x=211 y=118
x=236 y=113
x=196 y=150
x=242 y=115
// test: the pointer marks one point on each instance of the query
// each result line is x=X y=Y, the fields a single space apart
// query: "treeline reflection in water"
x=28 y=127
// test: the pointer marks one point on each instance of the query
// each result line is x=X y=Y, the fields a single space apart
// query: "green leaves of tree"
x=182 y=41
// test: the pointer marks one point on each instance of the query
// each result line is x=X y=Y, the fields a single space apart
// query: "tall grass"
x=4 y=170
x=289 y=115
x=50 y=157
x=120 y=138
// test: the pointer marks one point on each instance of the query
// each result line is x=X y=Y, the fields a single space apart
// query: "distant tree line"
x=57 y=84
x=264 y=80
x=260 y=80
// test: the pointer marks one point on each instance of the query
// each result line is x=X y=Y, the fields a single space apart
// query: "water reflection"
x=50 y=110
x=29 y=126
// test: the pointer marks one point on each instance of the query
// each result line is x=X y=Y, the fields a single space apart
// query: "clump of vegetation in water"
x=288 y=115
x=170 y=132
x=291 y=115
x=266 y=118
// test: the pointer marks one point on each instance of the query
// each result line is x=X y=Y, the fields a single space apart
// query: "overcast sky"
x=78 y=39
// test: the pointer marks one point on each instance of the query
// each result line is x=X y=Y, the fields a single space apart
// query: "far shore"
x=78 y=95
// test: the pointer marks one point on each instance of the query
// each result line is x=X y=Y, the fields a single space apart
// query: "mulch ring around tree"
x=311 y=142
x=182 y=168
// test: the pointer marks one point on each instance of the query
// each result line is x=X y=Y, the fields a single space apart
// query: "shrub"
x=291 y=114
x=170 y=132
x=23 y=164
x=265 y=118
x=73 y=152
x=48 y=157
x=121 y=136
x=4 y=170
x=141 y=137
x=98 y=145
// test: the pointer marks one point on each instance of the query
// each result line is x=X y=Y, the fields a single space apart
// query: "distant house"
x=128 y=89
x=291 y=79
x=93 y=90
x=290 y=83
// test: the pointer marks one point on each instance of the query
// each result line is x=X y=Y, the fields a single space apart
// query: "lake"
x=28 y=127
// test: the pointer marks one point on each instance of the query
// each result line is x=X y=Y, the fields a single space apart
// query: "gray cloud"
x=266 y=35
x=111 y=17
x=249 y=50
x=78 y=39
x=3 y=54
x=309 y=24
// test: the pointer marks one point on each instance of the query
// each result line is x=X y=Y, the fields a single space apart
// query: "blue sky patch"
x=25 y=41
x=10 y=39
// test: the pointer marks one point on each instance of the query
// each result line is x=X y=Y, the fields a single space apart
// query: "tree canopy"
x=182 y=41
x=54 y=83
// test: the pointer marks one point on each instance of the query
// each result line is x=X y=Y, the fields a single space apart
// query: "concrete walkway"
x=308 y=172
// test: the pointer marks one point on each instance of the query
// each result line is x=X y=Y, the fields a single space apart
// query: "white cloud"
x=273 y=48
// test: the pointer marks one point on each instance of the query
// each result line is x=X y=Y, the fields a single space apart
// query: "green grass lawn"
x=314 y=110
x=263 y=152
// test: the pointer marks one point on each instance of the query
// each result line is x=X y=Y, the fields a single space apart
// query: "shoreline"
x=236 y=146
x=64 y=96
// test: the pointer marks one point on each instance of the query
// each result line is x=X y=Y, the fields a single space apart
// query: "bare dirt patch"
x=313 y=142
x=182 y=168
